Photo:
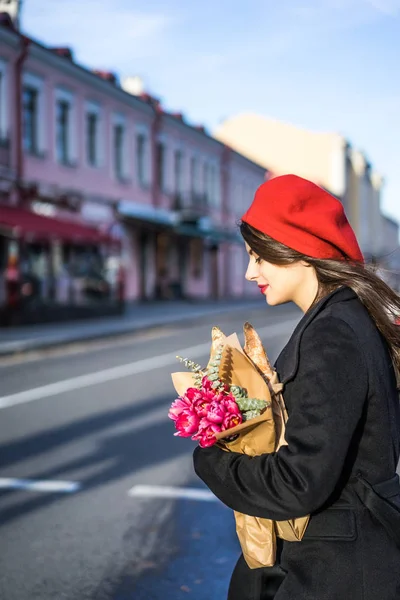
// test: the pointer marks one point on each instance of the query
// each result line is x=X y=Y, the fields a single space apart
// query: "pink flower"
x=180 y=404
x=231 y=405
x=187 y=423
x=207 y=441
x=216 y=412
x=209 y=394
x=193 y=393
x=206 y=384
x=201 y=405
x=231 y=420
x=203 y=424
x=206 y=435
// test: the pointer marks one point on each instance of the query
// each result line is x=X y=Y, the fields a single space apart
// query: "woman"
x=339 y=375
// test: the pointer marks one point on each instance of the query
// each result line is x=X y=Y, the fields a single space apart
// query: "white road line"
x=134 y=368
x=67 y=487
x=165 y=491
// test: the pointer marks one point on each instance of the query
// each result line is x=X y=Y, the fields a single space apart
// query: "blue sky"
x=328 y=65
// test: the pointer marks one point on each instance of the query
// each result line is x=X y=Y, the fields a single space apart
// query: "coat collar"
x=290 y=354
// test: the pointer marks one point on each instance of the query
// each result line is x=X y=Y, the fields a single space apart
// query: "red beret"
x=304 y=217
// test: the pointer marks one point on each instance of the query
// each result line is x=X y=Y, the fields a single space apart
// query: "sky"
x=326 y=65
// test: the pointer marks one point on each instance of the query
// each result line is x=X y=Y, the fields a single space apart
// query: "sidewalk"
x=136 y=318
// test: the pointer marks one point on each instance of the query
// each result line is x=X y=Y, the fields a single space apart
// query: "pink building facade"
x=116 y=182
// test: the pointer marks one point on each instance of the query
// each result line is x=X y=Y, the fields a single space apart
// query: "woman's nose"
x=251 y=272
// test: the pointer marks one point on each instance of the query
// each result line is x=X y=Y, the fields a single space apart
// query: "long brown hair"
x=382 y=303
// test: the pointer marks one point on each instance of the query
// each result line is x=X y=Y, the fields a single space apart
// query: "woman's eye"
x=258 y=260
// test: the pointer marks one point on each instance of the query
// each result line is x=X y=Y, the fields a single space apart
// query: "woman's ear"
x=305 y=264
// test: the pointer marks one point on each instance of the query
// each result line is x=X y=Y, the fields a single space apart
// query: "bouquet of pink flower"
x=213 y=403
x=237 y=402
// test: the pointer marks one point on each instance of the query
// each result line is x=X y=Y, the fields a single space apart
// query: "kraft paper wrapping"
x=251 y=369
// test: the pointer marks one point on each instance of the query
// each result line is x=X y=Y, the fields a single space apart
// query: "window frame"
x=94 y=108
x=62 y=95
x=178 y=177
x=4 y=113
x=143 y=130
x=36 y=83
x=120 y=120
x=161 y=171
x=33 y=147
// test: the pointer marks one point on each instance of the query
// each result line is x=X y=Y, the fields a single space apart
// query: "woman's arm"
x=328 y=396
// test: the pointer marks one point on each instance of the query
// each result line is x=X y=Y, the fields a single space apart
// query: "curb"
x=114 y=329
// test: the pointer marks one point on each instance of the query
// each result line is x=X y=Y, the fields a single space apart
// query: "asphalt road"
x=83 y=426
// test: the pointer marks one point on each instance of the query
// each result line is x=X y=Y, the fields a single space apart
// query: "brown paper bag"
x=250 y=369
x=265 y=434
x=292 y=530
x=257 y=536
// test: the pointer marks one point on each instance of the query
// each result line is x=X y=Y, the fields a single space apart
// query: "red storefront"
x=51 y=268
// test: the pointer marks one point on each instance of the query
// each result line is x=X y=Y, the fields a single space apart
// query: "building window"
x=160 y=165
x=193 y=175
x=206 y=182
x=33 y=114
x=92 y=132
x=63 y=118
x=119 y=135
x=141 y=158
x=3 y=101
x=178 y=160
x=30 y=108
x=1 y=98
x=119 y=147
x=213 y=188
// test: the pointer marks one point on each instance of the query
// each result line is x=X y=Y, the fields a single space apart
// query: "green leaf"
x=251 y=414
x=246 y=404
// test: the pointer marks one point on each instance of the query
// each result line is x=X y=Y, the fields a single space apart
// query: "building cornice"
x=64 y=65
x=69 y=68
x=247 y=161
x=178 y=123
x=197 y=133
x=9 y=37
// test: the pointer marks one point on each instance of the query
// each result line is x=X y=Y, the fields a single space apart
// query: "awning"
x=213 y=235
x=147 y=213
x=29 y=225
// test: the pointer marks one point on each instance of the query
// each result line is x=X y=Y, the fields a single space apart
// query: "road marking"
x=32 y=485
x=165 y=491
x=134 y=368
x=68 y=385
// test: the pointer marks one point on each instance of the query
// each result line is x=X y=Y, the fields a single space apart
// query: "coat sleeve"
x=327 y=400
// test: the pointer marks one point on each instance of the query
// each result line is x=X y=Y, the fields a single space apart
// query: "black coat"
x=343 y=406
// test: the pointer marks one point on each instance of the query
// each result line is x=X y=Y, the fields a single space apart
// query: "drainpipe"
x=25 y=43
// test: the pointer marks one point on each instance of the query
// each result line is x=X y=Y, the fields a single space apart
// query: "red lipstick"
x=263 y=288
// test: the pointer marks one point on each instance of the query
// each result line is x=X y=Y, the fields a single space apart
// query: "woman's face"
x=279 y=284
